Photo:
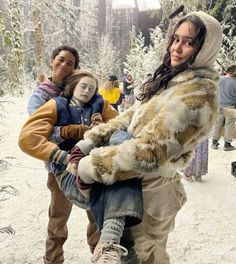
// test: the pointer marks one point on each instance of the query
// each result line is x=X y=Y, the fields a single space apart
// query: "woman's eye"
x=189 y=43
x=176 y=40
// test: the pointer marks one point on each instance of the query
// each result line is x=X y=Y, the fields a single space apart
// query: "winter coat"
x=166 y=130
x=68 y=114
x=33 y=138
x=113 y=96
x=44 y=92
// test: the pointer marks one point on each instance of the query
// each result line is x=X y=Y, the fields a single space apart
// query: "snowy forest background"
x=108 y=39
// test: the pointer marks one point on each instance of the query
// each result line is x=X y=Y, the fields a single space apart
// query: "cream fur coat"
x=166 y=130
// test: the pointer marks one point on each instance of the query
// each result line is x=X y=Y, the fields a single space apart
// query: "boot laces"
x=109 y=253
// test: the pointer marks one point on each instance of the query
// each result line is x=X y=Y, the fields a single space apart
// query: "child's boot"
x=109 y=253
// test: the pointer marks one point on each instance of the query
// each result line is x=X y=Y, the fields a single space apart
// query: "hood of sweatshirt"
x=51 y=88
x=212 y=43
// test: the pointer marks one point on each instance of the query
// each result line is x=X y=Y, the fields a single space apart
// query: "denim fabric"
x=37 y=99
x=67 y=185
x=72 y=192
x=119 y=136
x=123 y=198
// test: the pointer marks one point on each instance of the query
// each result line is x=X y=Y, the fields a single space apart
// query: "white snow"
x=205 y=231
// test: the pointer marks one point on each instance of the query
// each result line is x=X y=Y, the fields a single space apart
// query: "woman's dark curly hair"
x=164 y=73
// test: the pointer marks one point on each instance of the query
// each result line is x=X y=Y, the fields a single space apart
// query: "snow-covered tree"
x=12 y=62
x=228 y=14
x=39 y=37
x=15 y=59
x=6 y=41
x=102 y=58
x=142 y=59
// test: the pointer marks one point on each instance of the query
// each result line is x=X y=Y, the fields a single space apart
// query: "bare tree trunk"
x=15 y=60
x=39 y=49
x=101 y=17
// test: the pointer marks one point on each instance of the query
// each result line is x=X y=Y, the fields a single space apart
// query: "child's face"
x=183 y=47
x=62 y=66
x=84 y=90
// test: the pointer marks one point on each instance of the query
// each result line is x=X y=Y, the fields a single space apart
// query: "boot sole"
x=225 y=149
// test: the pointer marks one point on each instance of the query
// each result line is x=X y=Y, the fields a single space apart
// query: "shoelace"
x=109 y=253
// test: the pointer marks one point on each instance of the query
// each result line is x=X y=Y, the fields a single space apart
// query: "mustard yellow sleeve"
x=108 y=111
x=33 y=138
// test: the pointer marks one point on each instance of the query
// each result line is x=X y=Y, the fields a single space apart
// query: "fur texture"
x=165 y=130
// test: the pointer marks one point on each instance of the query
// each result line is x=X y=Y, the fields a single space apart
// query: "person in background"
x=64 y=60
x=198 y=166
x=127 y=84
x=175 y=110
x=227 y=100
x=128 y=91
x=111 y=92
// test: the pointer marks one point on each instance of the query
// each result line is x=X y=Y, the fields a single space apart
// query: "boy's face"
x=84 y=90
x=62 y=66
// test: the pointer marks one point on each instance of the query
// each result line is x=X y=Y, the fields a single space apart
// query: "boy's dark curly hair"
x=71 y=50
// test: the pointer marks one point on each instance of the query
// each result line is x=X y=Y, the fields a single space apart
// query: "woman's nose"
x=178 y=47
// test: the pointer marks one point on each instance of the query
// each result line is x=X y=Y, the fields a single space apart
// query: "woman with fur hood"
x=175 y=110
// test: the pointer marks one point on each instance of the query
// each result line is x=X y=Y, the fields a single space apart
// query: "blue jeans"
x=123 y=198
x=72 y=192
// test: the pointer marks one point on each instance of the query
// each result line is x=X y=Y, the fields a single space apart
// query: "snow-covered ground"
x=205 y=231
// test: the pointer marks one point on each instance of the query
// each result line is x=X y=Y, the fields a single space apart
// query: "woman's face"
x=62 y=66
x=84 y=90
x=182 y=47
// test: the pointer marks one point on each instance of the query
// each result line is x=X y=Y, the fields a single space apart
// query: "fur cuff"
x=86 y=170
